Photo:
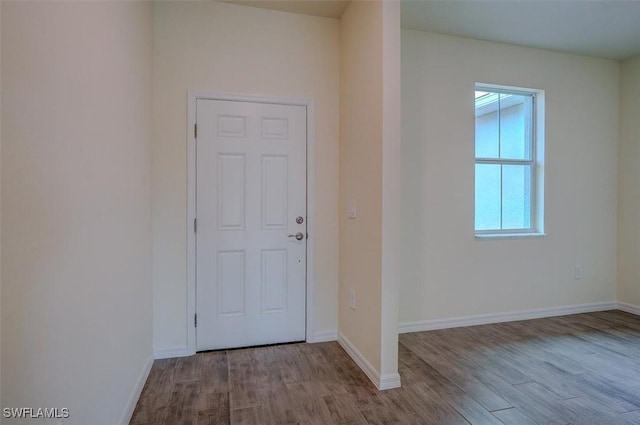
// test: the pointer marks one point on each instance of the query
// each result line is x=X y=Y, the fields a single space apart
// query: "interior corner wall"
x=1 y=405
x=76 y=222
x=220 y=47
x=391 y=189
x=361 y=110
x=446 y=272
x=629 y=184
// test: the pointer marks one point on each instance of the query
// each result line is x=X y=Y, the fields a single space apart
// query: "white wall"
x=629 y=185
x=221 y=47
x=76 y=263
x=446 y=273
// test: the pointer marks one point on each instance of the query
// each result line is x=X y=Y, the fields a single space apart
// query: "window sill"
x=495 y=236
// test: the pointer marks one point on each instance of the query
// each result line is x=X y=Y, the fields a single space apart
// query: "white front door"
x=250 y=203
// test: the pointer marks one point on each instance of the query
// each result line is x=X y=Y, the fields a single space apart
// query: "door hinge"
x=195 y=130
x=195 y=225
x=195 y=320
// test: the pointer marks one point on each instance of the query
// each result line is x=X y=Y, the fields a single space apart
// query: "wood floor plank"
x=305 y=390
x=188 y=368
x=343 y=412
x=399 y=407
x=183 y=405
x=585 y=412
x=541 y=367
x=629 y=418
x=536 y=411
x=574 y=411
x=467 y=382
x=470 y=409
x=243 y=379
x=245 y=394
x=213 y=408
x=214 y=372
x=433 y=409
x=617 y=317
x=513 y=416
x=155 y=396
x=247 y=416
x=313 y=411
x=414 y=370
x=581 y=369
x=382 y=416
x=364 y=397
x=280 y=405
x=602 y=392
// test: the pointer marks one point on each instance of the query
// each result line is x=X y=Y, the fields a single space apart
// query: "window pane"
x=515 y=126
x=487 y=142
x=516 y=197
x=487 y=197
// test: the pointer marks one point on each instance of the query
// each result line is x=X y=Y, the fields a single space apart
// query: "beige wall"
x=629 y=185
x=220 y=47
x=448 y=274
x=361 y=176
x=76 y=263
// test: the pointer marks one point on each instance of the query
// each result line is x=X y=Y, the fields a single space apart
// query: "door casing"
x=192 y=97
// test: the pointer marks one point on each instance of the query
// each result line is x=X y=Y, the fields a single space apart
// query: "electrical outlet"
x=351 y=208
x=352 y=299
x=578 y=274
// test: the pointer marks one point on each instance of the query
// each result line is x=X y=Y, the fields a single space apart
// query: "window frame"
x=535 y=163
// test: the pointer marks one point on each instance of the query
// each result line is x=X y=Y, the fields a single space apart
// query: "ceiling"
x=605 y=28
x=326 y=8
x=601 y=28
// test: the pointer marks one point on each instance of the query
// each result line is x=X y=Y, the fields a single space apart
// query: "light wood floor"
x=581 y=369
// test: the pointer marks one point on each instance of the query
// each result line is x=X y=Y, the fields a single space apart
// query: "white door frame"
x=192 y=97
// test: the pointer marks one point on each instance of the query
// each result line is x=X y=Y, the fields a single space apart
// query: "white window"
x=508 y=161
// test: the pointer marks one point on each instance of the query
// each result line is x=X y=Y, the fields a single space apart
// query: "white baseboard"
x=169 y=352
x=324 y=336
x=629 y=308
x=484 y=319
x=384 y=382
x=389 y=381
x=135 y=394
